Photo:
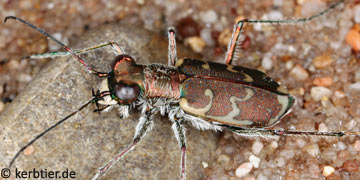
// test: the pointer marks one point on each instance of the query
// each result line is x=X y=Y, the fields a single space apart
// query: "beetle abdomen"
x=233 y=103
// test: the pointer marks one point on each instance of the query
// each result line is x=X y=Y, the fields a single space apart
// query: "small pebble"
x=223 y=159
x=323 y=81
x=274 y=145
x=209 y=16
x=350 y=125
x=266 y=62
x=224 y=37
x=29 y=150
x=322 y=61
x=275 y=15
x=140 y=2
x=328 y=170
x=323 y=128
x=257 y=147
x=13 y=64
x=196 y=43
x=341 y=146
x=204 y=164
x=255 y=161
x=357 y=146
x=205 y=34
x=313 y=150
x=243 y=169
x=319 y=92
x=357 y=14
x=355 y=86
x=289 y=65
x=353 y=39
x=299 y=73
x=352 y=166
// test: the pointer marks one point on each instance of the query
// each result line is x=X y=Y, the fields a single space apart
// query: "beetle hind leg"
x=179 y=132
x=234 y=43
x=172 y=56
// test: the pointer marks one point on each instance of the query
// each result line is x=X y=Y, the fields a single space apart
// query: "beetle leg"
x=145 y=124
x=234 y=42
x=179 y=132
x=118 y=50
x=276 y=132
x=172 y=57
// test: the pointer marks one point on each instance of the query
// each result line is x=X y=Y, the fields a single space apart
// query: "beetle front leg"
x=179 y=132
x=145 y=124
x=172 y=56
x=117 y=49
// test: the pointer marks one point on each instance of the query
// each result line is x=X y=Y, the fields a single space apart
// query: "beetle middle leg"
x=145 y=124
x=179 y=132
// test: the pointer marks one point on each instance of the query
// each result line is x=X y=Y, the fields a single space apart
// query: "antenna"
x=87 y=67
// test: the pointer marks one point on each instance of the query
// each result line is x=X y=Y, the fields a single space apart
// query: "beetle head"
x=124 y=81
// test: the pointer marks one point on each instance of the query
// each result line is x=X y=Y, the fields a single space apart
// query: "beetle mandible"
x=208 y=95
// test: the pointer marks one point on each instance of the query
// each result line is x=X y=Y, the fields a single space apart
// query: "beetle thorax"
x=161 y=81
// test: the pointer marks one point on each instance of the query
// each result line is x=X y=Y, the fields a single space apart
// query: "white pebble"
x=289 y=65
x=275 y=15
x=319 y=92
x=357 y=146
x=349 y=126
x=257 y=26
x=323 y=127
x=328 y=170
x=255 y=161
x=243 y=169
x=313 y=150
x=341 y=146
x=266 y=62
x=357 y=14
x=274 y=144
x=140 y=2
x=257 y=147
x=205 y=164
x=355 y=86
x=209 y=16
x=299 y=73
x=206 y=35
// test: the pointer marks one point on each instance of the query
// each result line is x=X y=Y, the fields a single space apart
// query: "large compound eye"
x=127 y=92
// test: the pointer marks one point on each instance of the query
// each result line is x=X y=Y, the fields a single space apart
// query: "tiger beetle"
x=208 y=95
